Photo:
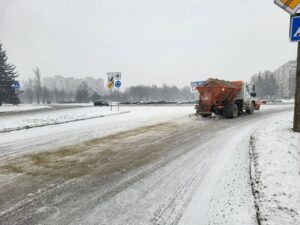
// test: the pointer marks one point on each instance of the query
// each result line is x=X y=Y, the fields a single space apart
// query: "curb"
x=252 y=179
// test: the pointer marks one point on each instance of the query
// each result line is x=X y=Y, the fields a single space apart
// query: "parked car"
x=101 y=102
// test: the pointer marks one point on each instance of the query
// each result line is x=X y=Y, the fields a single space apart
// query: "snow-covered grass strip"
x=56 y=122
x=22 y=107
x=275 y=151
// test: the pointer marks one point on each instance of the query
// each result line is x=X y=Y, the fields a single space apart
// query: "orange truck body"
x=216 y=94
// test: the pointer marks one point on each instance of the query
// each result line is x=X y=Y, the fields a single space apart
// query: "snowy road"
x=142 y=168
x=52 y=137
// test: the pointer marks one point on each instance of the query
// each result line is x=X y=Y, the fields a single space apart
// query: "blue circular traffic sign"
x=118 y=84
x=16 y=85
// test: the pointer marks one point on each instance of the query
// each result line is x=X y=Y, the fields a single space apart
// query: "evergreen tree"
x=265 y=84
x=8 y=75
x=259 y=85
x=273 y=87
x=95 y=96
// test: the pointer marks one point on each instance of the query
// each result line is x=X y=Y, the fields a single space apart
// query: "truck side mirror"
x=253 y=88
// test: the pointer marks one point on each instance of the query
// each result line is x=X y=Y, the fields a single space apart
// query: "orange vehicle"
x=226 y=98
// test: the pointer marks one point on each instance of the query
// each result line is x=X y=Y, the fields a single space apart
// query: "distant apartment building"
x=70 y=84
x=60 y=82
x=49 y=82
x=96 y=85
x=285 y=76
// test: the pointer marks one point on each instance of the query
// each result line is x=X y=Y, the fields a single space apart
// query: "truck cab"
x=245 y=99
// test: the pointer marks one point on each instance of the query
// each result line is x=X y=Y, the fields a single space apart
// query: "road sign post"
x=295 y=37
x=296 y=126
x=110 y=85
x=292 y=7
x=113 y=79
x=118 y=99
x=16 y=86
x=118 y=85
x=111 y=99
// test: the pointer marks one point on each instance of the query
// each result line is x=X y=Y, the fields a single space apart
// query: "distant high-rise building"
x=70 y=84
x=96 y=85
x=49 y=82
x=60 y=82
x=285 y=76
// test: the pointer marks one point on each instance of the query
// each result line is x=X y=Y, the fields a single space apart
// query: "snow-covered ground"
x=18 y=122
x=49 y=137
x=288 y=100
x=83 y=112
x=22 y=107
x=75 y=104
x=163 y=167
x=276 y=172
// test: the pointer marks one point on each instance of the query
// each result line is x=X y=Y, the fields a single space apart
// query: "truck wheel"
x=235 y=111
x=205 y=115
x=231 y=111
x=250 y=110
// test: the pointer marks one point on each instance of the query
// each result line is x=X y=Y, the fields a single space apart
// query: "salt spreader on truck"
x=226 y=98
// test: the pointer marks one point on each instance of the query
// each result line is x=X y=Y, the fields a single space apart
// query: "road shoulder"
x=275 y=150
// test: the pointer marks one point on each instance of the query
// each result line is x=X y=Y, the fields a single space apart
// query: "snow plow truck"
x=226 y=98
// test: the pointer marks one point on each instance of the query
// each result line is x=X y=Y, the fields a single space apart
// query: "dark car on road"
x=101 y=102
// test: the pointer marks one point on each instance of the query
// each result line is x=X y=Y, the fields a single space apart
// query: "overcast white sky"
x=150 y=42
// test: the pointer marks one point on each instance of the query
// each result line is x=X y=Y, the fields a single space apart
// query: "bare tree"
x=154 y=93
x=29 y=91
x=38 y=84
x=46 y=95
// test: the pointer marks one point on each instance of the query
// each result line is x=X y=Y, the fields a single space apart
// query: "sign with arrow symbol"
x=295 y=28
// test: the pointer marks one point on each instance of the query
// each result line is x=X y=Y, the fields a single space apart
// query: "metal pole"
x=118 y=98
x=296 y=127
x=111 y=99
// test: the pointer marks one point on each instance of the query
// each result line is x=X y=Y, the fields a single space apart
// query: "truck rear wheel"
x=231 y=111
x=250 y=110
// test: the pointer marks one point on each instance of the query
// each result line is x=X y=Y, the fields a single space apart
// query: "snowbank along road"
x=275 y=152
x=174 y=169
